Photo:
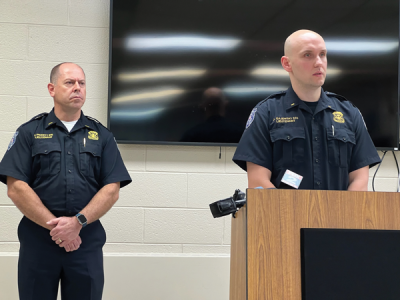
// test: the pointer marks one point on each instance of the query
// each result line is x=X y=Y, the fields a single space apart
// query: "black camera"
x=229 y=205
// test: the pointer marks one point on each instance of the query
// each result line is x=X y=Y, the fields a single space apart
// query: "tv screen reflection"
x=192 y=71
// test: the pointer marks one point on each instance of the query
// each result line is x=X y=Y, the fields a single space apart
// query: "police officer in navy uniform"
x=316 y=134
x=63 y=170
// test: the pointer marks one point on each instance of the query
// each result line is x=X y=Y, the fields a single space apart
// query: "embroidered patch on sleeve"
x=13 y=139
x=251 y=117
x=362 y=119
x=116 y=143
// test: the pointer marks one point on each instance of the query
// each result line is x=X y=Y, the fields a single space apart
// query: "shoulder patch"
x=116 y=143
x=251 y=117
x=362 y=118
x=13 y=140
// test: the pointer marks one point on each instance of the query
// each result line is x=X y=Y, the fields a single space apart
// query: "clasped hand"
x=66 y=233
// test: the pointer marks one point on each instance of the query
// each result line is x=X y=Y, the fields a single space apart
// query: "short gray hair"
x=55 y=72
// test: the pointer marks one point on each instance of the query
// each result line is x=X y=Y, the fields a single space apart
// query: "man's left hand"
x=66 y=230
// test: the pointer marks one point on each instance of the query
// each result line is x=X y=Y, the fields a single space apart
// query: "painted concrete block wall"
x=165 y=209
x=146 y=278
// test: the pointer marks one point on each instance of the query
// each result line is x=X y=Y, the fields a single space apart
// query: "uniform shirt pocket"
x=89 y=159
x=288 y=145
x=46 y=159
x=340 y=146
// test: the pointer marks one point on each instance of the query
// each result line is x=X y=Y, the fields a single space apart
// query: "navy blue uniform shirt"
x=65 y=169
x=277 y=138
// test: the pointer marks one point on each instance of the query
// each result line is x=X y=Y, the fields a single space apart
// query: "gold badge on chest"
x=338 y=117
x=93 y=135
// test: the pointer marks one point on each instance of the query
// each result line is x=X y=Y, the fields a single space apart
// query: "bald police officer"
x=316 y=134
x=63 y=171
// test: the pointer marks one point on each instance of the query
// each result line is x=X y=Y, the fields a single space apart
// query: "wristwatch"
x=81 y=219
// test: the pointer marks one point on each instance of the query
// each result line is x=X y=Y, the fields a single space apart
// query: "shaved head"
x=293 y=40
x=305 y=60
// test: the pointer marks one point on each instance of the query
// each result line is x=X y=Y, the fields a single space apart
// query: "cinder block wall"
x=164 y=212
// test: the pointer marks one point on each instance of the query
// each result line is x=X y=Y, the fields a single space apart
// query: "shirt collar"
x=52 y=120
x=292 y=100
x=326 y=102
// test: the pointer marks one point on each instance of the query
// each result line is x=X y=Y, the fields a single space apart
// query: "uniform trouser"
x=42 y=264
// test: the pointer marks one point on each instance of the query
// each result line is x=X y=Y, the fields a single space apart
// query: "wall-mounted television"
x=190 y=71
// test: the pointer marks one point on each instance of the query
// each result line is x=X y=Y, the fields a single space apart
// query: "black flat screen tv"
x=190 y=71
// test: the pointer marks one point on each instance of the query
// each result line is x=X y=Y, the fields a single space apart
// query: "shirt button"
x=288 y=137
x=316 y=138
x=318 y=183
x=344 y=139
x=69 y=171
x=45 y=151
x=69 y=152
x=70 y=191
x=316 y=160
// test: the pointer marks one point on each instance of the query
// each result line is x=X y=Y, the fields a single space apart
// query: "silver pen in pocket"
x=333 y=130
x=84 y=142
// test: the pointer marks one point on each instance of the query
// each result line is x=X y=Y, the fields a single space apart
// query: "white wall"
x=164 y=212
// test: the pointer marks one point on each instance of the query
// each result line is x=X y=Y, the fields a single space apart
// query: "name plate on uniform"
x=292 y=179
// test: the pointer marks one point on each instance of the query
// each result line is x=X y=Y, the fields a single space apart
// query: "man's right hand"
x=258 y=176
x=73 y=245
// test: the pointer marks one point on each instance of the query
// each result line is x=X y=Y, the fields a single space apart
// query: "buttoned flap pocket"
x=288 y=145
x=340 y=146
x=287 y=134
x=342 y=135
x=46 y=158
x=89 y=157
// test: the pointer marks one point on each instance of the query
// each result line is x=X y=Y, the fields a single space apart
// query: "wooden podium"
x=265 y=245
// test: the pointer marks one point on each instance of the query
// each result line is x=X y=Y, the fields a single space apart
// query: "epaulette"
x=97 y=121
x=39 y=116
x=272 y=96
x=339 y=97
x=93 y=119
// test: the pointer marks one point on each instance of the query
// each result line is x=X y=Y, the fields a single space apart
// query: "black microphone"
x=229 y=205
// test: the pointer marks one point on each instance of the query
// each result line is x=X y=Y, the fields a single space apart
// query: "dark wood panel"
x=273 y=227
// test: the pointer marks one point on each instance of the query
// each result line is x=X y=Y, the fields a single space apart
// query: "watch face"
x=82 y=219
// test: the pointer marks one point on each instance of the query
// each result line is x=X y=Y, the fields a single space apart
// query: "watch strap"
x=81 y=219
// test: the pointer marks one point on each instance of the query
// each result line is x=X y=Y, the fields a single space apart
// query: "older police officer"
x=318 y=135
x=63 y=171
